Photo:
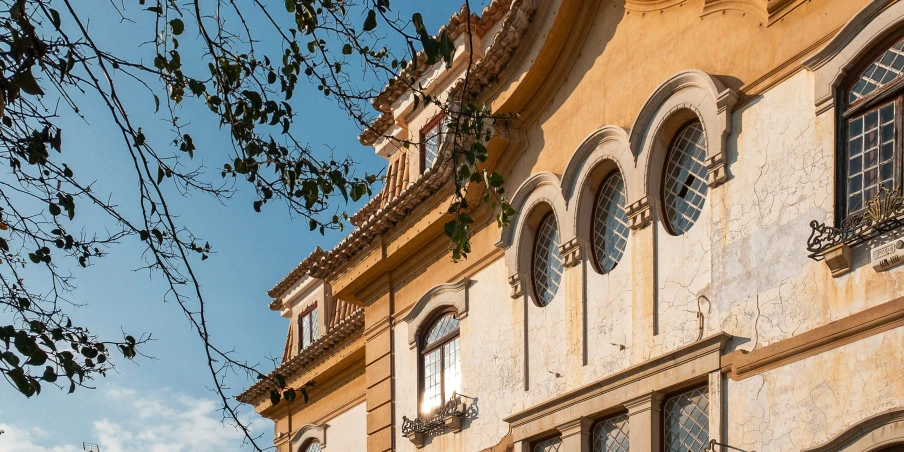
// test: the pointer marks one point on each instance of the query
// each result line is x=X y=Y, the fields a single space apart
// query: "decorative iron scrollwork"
x=436 y=419
x=883 y=213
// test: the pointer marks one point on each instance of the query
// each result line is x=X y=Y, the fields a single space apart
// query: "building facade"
x=703 y=256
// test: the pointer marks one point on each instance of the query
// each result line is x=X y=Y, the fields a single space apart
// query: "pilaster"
x=576 y=435
x=378 y=352
x=643 y=416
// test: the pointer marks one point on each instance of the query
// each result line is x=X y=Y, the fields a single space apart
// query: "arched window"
x=548 y=445
x=685 y=421
x=546 y=264
x=313 y=446
x=871 y=113
x=684 y=186
x=440 y=362
x=610 y=223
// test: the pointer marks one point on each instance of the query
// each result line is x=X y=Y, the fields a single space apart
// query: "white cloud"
x=14 y=439
x=162 y=421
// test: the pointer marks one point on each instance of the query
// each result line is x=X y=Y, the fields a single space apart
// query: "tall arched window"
x=440 y=362
x=684 y=182
x=431 y=142
x=313 y=446
x=610 y=223
x=546 y=264
x=871 y=113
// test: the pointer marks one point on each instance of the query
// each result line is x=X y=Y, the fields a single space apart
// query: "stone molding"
x=687 y=365
x=517 y=283
x=831 y=64
x=572 y=253
x=443 y=295
x=307 y=433
x=575 y=427
x=646 y=6
x=694 y=90
x=648 y=402
x=640 y=215
x=753 y=7
x=872 y=434
x=741 y=364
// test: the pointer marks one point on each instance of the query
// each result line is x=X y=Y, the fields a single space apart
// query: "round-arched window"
x=610 y=223
x=684 y=187
x=313 y=446
x=440 y=362
x=546 y=265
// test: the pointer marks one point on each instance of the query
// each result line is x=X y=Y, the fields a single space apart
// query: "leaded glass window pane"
x=549 y=445
x=314 y=325
x=452 y=367
x=305 y=331
x=313 y=446
x=547 y=261
x=686 y=421
x=871 y=155
x=445 y=325
x=432 y=142
x=432 y=381
x=611 y=435
x=610 y=223
x=685 y=179
x=887 y=68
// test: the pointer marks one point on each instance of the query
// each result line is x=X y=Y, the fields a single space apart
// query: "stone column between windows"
x=644 y=297
x=378 y=358
x=715 y=408
x=576 y=435
x=645 y=427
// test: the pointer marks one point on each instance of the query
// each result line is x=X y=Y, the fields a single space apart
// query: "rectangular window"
x=871 y=159
x=685 y=421
x=611 y=435
x=548 y=445
x=307 y=328
x=431 y=141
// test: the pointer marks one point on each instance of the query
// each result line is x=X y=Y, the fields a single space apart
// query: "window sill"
x=448 y=416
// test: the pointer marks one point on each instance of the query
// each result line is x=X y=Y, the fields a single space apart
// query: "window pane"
x=888 y=67
x=313 y=446
x=432 y=143
x=432 y=381
x=610 y=223
x=445 y=325
x=549 y=445
x=314 y=325
x=611 y=435
x=547 y=261
x=686 y=421
x=877 y=165
x=305 y=331
x=685 y=181
x=452 y=370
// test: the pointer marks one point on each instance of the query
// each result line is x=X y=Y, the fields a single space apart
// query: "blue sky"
x=165 y=403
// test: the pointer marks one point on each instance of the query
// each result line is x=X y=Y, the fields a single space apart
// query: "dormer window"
x=307 y=327
x=431 y=140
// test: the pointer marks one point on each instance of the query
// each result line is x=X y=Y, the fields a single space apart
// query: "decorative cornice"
x=407 y=78
x=304 y=359
x=379 y=220
x=572 y=253
x=639 y=214
x=741 y=364
x=517 y=285
x=646 y=6
x=855 y=438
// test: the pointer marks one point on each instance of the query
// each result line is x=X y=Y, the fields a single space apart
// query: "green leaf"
x=49 y=374
x=26 y=82
x=178 y=26
x=289 y=395
x=55 y=18
x=280 y=380
x=371 y=21
x=274 y=396
x=290 y=6
x=347 y=49
x=55 y=209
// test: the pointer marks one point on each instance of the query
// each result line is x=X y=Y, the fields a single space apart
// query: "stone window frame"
x=537 y=196
x=874 y=433
x=308 y=433
x=602 y=153
x=441 y=299
x=684 y=96
x=871 y=31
